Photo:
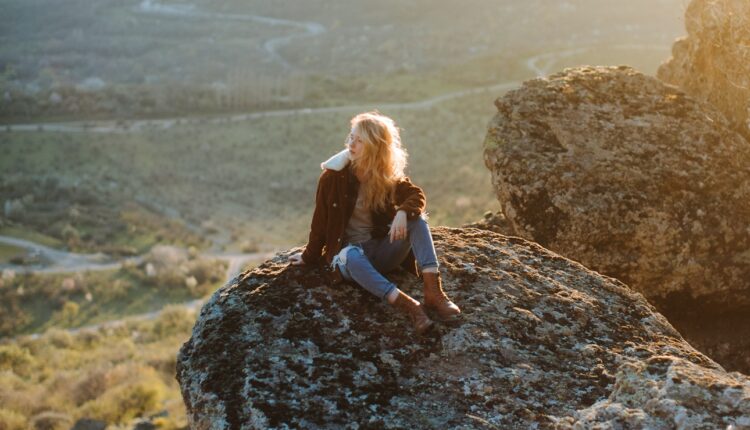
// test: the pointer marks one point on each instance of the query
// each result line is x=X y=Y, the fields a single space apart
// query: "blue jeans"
x=365 y=262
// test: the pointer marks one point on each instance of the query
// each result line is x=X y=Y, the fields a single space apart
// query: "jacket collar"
x=337 y=162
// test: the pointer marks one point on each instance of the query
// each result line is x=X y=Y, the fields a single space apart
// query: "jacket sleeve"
x=317 y=239
x=410 y=198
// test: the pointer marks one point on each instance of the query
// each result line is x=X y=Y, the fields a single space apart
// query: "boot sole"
x=435 y=315
x=426 y=329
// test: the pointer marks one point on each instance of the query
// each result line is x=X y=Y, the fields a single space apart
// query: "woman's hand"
x=398 y=226
x=296 y=259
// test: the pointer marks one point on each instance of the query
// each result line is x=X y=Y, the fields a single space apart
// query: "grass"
x=85 y=218
x=33 y=303
x=257 y=178
x=7 y=252
x=26 y=233
x=155 y=65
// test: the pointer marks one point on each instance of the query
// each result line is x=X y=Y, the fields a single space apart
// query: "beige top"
x=360 y=225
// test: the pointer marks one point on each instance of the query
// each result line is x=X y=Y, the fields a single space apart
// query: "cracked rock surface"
x=543 y=343
x=629 y=176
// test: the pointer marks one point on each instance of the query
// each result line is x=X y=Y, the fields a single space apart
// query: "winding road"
x=271 y=46
x=539 y=65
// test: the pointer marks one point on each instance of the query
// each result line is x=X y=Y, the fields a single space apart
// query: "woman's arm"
x=317 y=238
x=410 y=199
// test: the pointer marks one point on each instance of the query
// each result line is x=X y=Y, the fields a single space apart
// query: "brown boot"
x=435 y=298
x=411 y=307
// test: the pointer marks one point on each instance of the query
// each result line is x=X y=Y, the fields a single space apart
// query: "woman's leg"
x=388 y=255
x=358 y=268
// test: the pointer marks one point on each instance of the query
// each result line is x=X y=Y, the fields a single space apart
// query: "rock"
x=191 y=282
x=543 y=340
x=50 y=420
x=13 y=208
x=8 y=275
x=144 y=424
x=89 y=424
x=92 y=83
x=166 y=256
x=713 y=62
x=630 y=177
x=55 y=98
x=150 y=270
x=666 y=386
x=493 y=222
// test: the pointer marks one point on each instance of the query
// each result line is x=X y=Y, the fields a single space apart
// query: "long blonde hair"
x=383 y=159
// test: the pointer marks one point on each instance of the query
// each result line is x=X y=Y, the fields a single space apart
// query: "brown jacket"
x=334 y=205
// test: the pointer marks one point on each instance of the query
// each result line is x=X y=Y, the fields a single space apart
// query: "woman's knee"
x=355 y=255
x=417 y=222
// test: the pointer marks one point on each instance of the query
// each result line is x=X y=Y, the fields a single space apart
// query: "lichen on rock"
x=542 y=340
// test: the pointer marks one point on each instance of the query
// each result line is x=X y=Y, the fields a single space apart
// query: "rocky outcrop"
x=713 y=62
x=629 y=176
x=543 y=343
x=493 y=221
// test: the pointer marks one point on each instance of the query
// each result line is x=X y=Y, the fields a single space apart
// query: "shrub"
x=51 y=420
x=10 y=420
x=206 y=270
x=89 y=338
x=93 y=385
x=116 y=290
x=70 y=235
x=67 y=315
x=124 y=403
x=168 y=278
x=163 y=256
x=19 y=360
x=60 y=339
x=173 y=319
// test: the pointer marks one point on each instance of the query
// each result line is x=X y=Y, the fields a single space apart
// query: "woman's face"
x=355 y=144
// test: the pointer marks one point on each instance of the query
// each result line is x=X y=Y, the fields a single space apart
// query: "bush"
x=169 y=278
x=10 y=420
x=51 y=420
x=60 y=339
x=116 y=290
x=19 y=360
x=124 y=403
x=206 y=270
x=67 y=315
x=163 y=256
x=174 y=319
x=93 y=385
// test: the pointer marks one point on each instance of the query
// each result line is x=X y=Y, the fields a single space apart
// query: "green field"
x=31 y=235
x=34 y=302
x=8 y=252
x=256 y=178
x=218 y=57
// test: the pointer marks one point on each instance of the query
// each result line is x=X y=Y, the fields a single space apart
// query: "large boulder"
x=543 y=342
x=629 y=176
x=713 y=62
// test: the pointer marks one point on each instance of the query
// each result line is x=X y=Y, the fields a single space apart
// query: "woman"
x=369 y=218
